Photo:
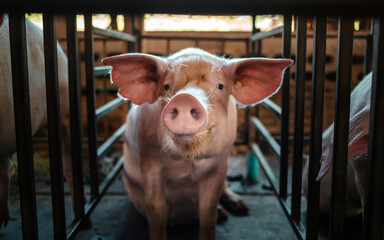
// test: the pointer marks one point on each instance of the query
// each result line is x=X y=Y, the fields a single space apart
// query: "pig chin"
x=187 y=146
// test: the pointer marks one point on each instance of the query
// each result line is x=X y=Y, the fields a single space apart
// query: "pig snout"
x=184 y=114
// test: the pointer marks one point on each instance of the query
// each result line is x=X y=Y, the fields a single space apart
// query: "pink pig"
x=37 y=103
x=357 y=153
x=181 y=130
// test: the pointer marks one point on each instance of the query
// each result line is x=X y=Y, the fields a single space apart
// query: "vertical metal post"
x=253 y=46
x=91 y=104
x=74 y=104
x=22 y=111
x=368 y=51
x=285 y=99
x=373 y=211
x=54 y=126
x=341 y=130
x=134 y=45
x=301 y=49
x=315 y=145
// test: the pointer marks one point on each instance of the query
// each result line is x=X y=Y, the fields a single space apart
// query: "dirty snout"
x=186 y=112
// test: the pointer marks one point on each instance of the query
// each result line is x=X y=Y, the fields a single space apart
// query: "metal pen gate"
x=373 y=212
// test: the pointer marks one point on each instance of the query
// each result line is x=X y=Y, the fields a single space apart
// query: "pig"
x=357 y=153
x=181 y=128
x=37 y=104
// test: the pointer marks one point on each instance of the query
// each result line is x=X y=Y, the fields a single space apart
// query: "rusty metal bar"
x=341 y=130
x=315 y=145
x=54 y=127
x=91 y=105
x=22 y=112
x=285 y=98
x=374 y=198
x=299 y=117
x=74 y=104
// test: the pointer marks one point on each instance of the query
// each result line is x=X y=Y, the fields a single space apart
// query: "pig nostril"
x=174 y=113
x=194 y=114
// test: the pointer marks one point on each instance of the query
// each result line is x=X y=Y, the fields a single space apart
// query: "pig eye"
x=220 y=86
x=166 y=87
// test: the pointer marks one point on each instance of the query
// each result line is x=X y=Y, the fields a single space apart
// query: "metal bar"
x=272 y=107
x=109 y=107
x=373 y=211
x=196 y=38
x=91 y=105
x=299 y=116
x=271 y=33
x=267 y=135
x=114 y=34
x=285 y=109
x=200 y=7
x=74 y=104
x=298 y=228
x=102 y=71
x=107 y=145
x=22 y=113
x=90 y=207
x=341 y=130
x=54 y=127
x=368 y=55
x=315 y=145
x=254 y=30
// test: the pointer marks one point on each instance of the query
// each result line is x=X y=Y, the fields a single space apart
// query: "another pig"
x=181 y=130
x=357 y=153
x=37 y=103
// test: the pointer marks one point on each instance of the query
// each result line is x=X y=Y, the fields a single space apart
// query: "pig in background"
x=357 y=153
x=37 y=104
x=181 y=130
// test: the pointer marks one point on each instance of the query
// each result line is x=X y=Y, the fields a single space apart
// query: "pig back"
x=36 y=84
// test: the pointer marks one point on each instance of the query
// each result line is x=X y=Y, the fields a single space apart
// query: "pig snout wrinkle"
x=184 y=114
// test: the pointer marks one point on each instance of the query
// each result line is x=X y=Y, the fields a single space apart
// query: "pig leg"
x=209 y=194
x=157 y=210
x=233 y=202
x=67 y=163
x=221 y=214
x=4 y=191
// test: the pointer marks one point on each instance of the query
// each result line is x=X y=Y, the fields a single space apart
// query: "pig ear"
x=137 y=75
x=357 y=141
x=255 y=79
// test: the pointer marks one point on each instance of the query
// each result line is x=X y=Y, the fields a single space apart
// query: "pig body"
x=357 y=153
x=37 y=104
x=180 y=132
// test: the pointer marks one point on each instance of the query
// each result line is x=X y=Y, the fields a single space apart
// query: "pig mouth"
x=188 y=146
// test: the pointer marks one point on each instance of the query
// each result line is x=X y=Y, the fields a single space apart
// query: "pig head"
x=357 y=152
x=181 y=129
x=36 y=75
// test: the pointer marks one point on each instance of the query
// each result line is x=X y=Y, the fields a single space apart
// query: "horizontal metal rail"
x=102 y=71
x=277 y=32
x=271 y=33
x=90 y=206
x=297 y=228
x=200 y=38
x=114 y=34
x=109 y=107
x=272 y=107
x=107 y=145
x=267 y=135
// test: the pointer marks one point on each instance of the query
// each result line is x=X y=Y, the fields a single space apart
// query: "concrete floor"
x=116 y=218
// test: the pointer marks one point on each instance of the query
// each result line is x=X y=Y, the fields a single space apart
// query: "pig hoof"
x=221 y=214
x=233 y=203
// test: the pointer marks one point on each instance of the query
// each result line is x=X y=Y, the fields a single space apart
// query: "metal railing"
x=373 y=217
x=292 y=209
